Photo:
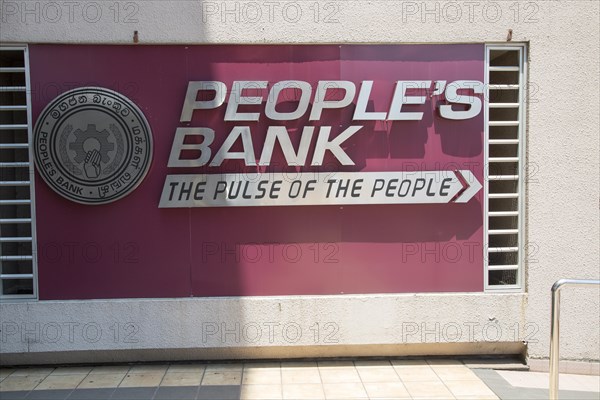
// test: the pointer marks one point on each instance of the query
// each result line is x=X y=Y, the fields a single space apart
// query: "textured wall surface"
x=247 y=323
x=562 y=141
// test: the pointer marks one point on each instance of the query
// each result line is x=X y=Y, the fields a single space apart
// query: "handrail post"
x=555 y=329
x=554 y=334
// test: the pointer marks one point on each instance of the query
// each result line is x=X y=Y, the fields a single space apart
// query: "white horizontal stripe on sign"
x=318 y=188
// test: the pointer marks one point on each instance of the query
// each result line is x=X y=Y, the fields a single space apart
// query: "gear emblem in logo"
x=92 y=145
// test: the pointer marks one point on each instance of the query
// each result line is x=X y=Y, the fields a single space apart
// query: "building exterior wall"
x=562 y=186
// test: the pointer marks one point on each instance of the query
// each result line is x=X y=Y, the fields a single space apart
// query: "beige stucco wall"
x=562 y=216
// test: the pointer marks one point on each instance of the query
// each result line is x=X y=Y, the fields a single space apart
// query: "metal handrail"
x=554 y=329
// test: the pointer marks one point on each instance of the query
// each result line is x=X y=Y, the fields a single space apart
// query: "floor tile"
x=505 y=390
x=541 y=380
x=455 y=374
x=71 y=370
x=344 y=391
x=91 y=394
x=110 y=369
x=261 y=392
x=219 y=392
x=225 y=367
x=339 y=375
x=182 y=379
x=60 y=382
x=262 y=376
x=176 y=393
x=141 y=380
x=149 y=369
x=17 y=383
x=372 y=364
x=300 y=375
x=526 y=379
x=386 y=390
x=49 y=394
x=335 y=364
x=32 y=371
x=469 y=388
x=417 y=373
x=303 y=391
x=408 y=363
x=448 y=397
x=137 y=393
x=5 y=372
x=288 y=380
x=17 y=395
x=425 y=389
x=221 y=378
x=101 y=381
x=581 y=382
x=196 y=368
x=378 y=375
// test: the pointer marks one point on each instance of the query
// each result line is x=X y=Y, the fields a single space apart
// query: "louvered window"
x=17 y=226
x=505 y=83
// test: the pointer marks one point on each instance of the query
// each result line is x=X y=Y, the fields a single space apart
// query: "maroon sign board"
x=378 y=150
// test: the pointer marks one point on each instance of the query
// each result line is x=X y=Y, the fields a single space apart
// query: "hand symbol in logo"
x=92 y=164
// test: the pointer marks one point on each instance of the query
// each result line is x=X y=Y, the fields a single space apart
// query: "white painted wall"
x=263 y=326
x=563 y=160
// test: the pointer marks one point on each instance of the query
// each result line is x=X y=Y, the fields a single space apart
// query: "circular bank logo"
x=92 y=145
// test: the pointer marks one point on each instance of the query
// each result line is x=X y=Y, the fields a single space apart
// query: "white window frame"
x=522 y=164
x=34 y=255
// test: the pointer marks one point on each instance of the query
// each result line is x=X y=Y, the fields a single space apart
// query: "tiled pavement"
x=344 y=380
x=522 y=385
